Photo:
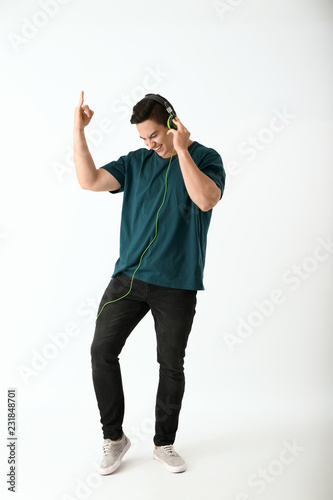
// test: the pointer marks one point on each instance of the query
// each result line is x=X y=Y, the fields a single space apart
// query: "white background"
x=228 y=68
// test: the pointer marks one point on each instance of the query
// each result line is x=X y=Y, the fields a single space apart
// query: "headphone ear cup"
x=170 y=123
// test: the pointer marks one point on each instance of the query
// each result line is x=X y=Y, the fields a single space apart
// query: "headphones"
x=167 y=106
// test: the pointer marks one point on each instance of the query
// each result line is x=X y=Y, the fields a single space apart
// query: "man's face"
x=155 y=137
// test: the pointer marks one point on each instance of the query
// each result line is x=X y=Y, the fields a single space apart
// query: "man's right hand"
x=83 y=114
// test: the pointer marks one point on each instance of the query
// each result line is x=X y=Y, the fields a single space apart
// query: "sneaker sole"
x=180 y=468
x=116 y=465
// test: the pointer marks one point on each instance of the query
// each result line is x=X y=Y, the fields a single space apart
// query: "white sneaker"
x=113 y=454
x=168 y=457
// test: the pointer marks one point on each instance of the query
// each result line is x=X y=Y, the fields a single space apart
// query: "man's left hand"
x=181 y=136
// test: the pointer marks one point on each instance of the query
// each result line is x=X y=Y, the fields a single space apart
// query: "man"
x=169 y=192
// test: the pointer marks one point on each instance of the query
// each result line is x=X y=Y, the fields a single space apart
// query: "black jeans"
x=173 y=311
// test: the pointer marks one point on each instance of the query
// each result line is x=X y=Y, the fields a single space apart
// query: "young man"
x=169 y=192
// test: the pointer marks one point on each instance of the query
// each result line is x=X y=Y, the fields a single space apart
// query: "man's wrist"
x=183 y=152
x=78 y=131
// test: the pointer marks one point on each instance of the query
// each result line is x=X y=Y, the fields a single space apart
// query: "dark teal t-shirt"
x=176 y=258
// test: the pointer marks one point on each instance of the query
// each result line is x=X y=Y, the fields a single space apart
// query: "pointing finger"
x=81 y=98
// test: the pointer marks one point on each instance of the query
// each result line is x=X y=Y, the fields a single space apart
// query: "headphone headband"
x=166 y=105
x=159 y=99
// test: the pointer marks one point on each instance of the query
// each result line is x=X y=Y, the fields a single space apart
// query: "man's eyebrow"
x=149 y=136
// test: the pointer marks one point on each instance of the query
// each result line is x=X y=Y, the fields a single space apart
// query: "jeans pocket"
x=119 y=285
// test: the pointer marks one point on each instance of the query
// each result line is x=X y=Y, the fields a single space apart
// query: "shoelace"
x=169 y=450
x=107 y=448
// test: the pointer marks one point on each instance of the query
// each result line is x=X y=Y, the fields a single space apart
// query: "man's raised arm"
x=88 y=176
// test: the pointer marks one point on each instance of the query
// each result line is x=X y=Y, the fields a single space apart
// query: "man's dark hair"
x=148 y=109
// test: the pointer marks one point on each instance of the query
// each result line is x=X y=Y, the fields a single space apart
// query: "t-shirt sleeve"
x=118 y=170
x=211 y=164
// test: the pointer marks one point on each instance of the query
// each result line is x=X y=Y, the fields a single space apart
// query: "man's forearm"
x=84 y=164
x=201 y=189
